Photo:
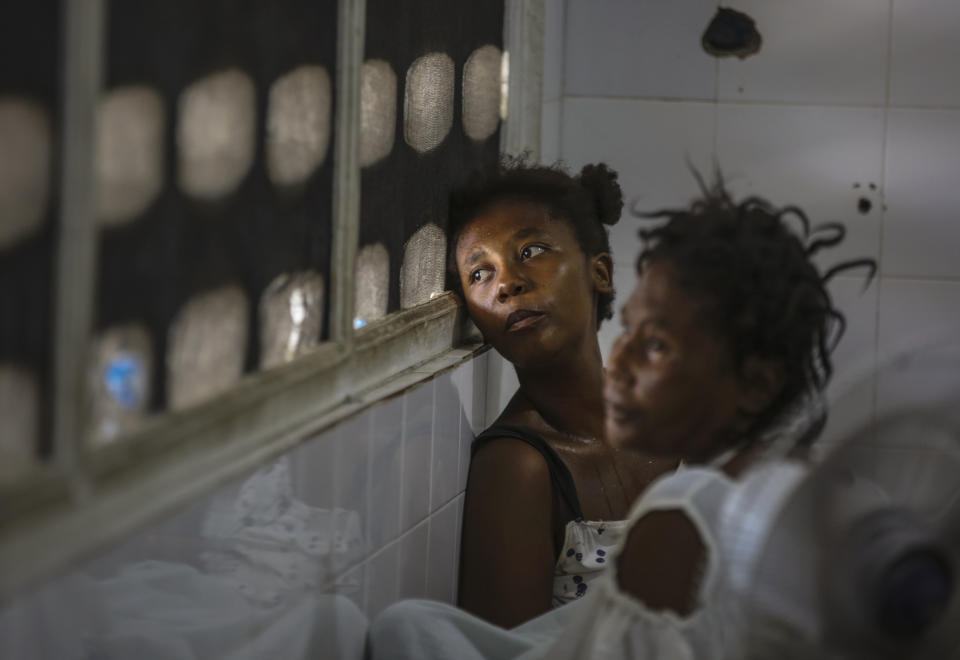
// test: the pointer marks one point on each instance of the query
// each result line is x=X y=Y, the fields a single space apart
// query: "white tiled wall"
x=652 y=163
x=922 y=223
x=289 y=562
x=621 y=48
x=924 y=53
x=813 y=52
x=844 y=100
x=823 y=158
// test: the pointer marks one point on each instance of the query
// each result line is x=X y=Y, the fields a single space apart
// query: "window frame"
x=85 y=499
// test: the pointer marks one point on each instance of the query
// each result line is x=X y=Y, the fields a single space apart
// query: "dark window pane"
x=29 y=177
x=416 y=50
x=241 y=98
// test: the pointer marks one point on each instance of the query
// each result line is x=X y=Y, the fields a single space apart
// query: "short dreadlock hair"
x=763 y=293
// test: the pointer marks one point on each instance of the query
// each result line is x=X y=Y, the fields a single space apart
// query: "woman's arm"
x=507 y=554
x=661 y=563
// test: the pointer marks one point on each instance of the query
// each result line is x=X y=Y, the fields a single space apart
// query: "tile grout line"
x=760 y=102
x=460 y=417
x=883 y=208
x=369 y=485
x=403 y=463
x=433 y=443
x=716 y=112
x=427 y=517
x=430 y=511
x=561 y=93
x=368 y=584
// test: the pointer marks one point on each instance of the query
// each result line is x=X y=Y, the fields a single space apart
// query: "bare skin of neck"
x=565 y=397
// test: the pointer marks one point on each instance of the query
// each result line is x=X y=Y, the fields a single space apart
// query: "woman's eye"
x=479 y=275
x=655 y=345
x=531 y=251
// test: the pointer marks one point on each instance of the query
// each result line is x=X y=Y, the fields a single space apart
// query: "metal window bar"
x=346 y=187
x=77 y=246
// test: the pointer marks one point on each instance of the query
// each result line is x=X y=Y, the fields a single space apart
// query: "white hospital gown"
x=613 y=624
x=605 y=623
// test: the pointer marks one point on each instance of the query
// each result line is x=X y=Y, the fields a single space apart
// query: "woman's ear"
x=761 y=381
x=601 y=270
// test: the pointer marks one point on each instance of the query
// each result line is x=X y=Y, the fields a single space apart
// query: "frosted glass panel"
x=215 y=134
x=372 y=283
x=422 y=274
x=19 y=405
x=119 y=381
x=207 y=344
x=130 y=124
x=428 y=101
x=481 y=92
x=291 y=317
x=298 y=124
x=24 y=167
x=378 y=111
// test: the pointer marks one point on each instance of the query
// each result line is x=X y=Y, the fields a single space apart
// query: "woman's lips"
x=523 y=318
x=619 y=413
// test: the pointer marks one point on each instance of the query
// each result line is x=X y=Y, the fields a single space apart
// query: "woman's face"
x=671 y=387
x=529 y=287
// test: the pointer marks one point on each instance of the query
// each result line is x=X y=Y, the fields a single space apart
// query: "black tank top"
x=560 y=477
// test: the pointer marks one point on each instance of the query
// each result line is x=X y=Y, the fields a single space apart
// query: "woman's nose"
x=509 y=286
x=618 y=366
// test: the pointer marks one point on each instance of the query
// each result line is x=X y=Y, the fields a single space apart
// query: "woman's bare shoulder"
x=509 y=460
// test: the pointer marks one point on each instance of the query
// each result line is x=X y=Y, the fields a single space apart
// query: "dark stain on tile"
x=731 y=33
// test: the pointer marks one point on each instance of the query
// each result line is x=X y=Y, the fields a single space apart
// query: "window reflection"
x=244 y=573
x=274 y=546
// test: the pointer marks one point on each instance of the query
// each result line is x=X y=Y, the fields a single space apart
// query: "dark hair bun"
x=601 y=182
